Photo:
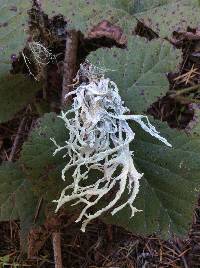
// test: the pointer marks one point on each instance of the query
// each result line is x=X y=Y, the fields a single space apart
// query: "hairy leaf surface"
x=145 y=5
x=41 y=167
x=162 y=16
x=140 y=71
x=15 y=90
x=17 y=201
x=83 y=14
x=170 y=16
x=13 y=27
x=170 y=184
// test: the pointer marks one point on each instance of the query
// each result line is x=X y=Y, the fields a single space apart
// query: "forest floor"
x=105 y=246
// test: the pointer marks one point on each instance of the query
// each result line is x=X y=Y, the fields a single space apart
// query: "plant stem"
x=70 y=63
x=56 y=240
x=16 y=140
x=183 y=91
x=187 y=100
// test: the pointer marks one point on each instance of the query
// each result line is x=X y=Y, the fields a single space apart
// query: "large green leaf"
x=11 y=181
x=41 y=167
x=17 y=201
x=15 y=92
x=126 y=5
x=168 y=188
x=140 y=70
x=169 y=16
x=83 y=15
x=145 y=5
x=170 y=185
x=162 y=16
x=13 y=30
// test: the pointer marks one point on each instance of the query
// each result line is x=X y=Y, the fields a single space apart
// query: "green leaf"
x=16 y=91
x=169 y=186
x=145 y=5
x=16 y=198
x=4 y=260
x=11 y=180
x=140 y=71
x=83 y=14
x=13 y=30
x=126 y=5
x=17 y=201
x=168 y=189
x=41 y=167
x=162 y=16
x=173 y=16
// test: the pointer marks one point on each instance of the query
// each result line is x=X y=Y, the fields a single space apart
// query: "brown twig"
x=56 y=240
x=178 y=95
x=70 y=63
x=187 y=100
x=180 y=256
x=187 y=77
x=16 y=141
x=38 y=209
x=179 y=92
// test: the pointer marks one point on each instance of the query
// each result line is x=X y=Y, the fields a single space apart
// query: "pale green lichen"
x=99 y=138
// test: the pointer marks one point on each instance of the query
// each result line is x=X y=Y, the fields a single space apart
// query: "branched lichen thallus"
x=99 y=139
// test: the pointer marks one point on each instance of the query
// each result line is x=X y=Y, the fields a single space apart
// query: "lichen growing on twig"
x=99 y=138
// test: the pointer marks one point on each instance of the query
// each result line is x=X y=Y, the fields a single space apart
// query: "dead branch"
x=70 y=63
x=56 y=240
x=16 y=140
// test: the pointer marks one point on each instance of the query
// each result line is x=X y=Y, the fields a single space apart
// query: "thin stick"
x=56 y=240
x=70 y=63
x=183 y=91
x=38 y=209
x=181 y=255
x=186 y=100
x=16 y=141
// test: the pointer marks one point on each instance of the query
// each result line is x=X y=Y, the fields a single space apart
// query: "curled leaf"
x=105 y=29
